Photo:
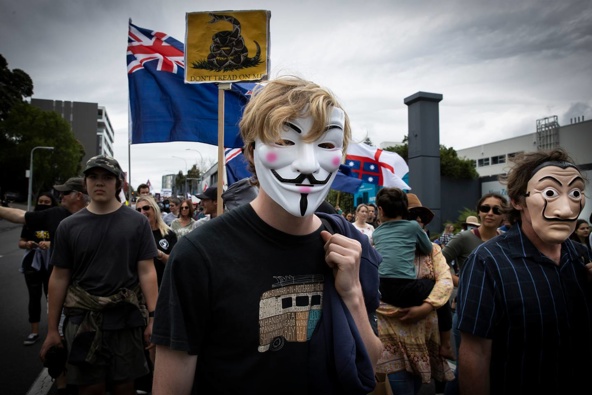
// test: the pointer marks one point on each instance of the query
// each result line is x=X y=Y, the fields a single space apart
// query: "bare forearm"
x=173 y=372
x=14 y=215
x=58 y=287
x=148 y=283
x=473 y=365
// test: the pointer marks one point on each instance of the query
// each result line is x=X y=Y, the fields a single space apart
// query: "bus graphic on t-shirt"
x=289 y=312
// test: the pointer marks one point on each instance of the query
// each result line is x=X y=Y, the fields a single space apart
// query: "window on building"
x=513 y=154
x=483 y=162
x=495 y=160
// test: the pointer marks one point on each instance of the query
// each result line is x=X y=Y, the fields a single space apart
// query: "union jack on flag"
x=236 y=165
x=375 y=166
x=163 y=108
x=159 y=46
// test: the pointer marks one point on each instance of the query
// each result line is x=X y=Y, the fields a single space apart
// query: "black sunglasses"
x=184 y=208
x=143 y=208
x=485 y=208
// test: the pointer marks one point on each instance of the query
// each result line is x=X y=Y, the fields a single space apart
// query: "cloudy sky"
x=499 y=65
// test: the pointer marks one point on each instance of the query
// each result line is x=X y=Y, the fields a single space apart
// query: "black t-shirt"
x=103 y=251
x=47 y=220
x=165 y=244
x=245 y=298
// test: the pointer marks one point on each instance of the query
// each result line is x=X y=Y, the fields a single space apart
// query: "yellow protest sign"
x=227 y=46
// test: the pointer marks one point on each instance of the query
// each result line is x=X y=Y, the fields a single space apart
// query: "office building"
x=89 y=121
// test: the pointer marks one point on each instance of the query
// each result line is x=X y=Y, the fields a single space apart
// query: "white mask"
x=297 y=175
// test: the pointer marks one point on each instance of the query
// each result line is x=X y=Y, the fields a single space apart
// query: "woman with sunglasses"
x=491 y=208
x=491 y=215
x=164 y=236
x=185 y=222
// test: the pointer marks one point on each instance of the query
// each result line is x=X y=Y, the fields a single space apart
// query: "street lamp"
x=186 y=174
x=196 y=167
x=200 y=156
x=30 y=196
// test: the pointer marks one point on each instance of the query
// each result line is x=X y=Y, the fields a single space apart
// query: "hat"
x=104 y=162
x=472 y=220
x=210 y=193
x=73 y=184
x=424 y=213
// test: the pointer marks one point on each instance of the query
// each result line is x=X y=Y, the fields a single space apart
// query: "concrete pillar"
x=424 y=152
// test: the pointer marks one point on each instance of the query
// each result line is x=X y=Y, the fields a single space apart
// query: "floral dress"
x=415 y=347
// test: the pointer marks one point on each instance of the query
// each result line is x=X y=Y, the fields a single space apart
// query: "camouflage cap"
x=73 y=184
x=104 y=162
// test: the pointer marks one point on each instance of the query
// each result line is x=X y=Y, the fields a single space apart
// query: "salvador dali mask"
x=297 y=174
x=554 y=200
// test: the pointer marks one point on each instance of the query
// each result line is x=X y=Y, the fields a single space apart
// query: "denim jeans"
x=404 y=383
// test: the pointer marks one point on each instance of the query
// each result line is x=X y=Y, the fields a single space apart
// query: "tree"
x=15 y=86
x=343 y=199
x=27 y=127
x=450 y=164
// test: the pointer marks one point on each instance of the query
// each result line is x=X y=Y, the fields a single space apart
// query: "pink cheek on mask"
x=336 y=161
x=271 y=157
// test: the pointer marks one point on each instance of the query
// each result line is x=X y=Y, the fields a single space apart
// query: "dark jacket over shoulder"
x=337 y=352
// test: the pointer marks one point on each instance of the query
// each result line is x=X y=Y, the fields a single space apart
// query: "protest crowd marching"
x=280 y=292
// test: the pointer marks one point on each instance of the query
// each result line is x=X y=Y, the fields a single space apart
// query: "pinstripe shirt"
x=538 y=314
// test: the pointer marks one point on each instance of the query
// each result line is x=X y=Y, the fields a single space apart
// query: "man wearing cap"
x=525 y=297
x=209 y=202
x=73 y=198
x=104 y=279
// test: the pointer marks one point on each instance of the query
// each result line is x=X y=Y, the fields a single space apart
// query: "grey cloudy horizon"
x=500 y=65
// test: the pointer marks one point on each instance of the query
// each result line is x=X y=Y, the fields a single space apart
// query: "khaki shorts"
x=120 y=358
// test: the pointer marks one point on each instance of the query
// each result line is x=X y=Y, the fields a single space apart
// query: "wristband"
x=151 y=314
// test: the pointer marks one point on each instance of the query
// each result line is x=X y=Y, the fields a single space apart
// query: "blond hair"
x=160 y=224
x=282 y=100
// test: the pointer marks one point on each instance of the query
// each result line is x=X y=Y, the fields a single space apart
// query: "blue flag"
x=236 y=165
x=164 y=108
x=346 y=181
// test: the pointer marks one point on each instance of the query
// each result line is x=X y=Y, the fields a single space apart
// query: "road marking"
x=42 y=385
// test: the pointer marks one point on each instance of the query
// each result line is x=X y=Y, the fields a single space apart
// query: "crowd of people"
x=283 y=293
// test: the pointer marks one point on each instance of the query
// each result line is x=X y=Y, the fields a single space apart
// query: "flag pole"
x=129 y=139
x=221 y=88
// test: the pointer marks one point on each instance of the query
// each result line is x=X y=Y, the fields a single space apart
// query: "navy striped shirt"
x=538 y=314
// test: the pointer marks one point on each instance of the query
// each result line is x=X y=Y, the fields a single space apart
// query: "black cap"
x=210 y=193
x=73 y=184
x=104 y=162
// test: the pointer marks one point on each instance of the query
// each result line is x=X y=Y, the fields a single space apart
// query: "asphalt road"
x=20 y=366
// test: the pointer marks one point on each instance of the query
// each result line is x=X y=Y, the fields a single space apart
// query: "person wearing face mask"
x=525 y=297
x=35 y=265
x=272 y=297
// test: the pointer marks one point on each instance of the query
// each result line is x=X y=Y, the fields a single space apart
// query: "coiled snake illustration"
x=228 y=50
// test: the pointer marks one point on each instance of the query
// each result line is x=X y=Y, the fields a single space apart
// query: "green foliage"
x=454 y=167
x=343 y=199
x=15 y=86
x=450 y=164
x=27 y=127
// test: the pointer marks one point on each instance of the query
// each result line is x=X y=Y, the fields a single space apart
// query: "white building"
x=493 y=159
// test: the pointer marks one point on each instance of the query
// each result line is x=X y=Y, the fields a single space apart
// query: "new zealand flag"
x=164 y=108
